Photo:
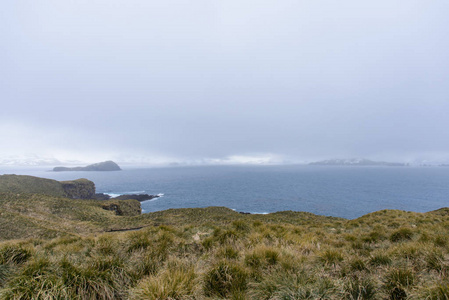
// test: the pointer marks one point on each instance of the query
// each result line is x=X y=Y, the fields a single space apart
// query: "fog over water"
x=159 y=82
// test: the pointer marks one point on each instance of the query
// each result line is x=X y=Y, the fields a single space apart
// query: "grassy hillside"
x=65 y=252
x=30 y=184
x=41 y=216
x=76 y=189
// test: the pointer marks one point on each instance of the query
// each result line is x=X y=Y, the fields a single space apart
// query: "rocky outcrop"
x=101 y=196
x=138 y=197
x=79 y=189
x=102 y=166
x=123 y=207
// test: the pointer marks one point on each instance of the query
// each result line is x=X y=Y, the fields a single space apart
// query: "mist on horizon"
x=266 y=82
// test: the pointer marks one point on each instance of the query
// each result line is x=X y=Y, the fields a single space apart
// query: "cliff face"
x=76 y=189
x=103 y=166
x=79 y=189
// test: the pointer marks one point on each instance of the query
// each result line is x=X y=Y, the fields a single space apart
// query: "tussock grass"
x=63 y=252
x=177 y=281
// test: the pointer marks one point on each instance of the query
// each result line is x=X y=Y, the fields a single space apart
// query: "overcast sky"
x=212 y=81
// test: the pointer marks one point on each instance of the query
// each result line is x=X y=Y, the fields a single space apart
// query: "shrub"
x=15 y=254
x=399 y=278
x=227 y=236
x=34 y=281
x=174 y=283
x=435 y=261
x=402 y=234
x=292 y=285
x=230 y=253
x=350 y=238
x=358 y=265
x=241 y=225
x=373 y=237
x=4 y=272
x=257 y=223
x=105 y=245
x=208 y=243
x=224 y=279
x=253 y=260
x=262 y=257
x=439 y=292
x=137 y=242
x=360 y=289
x=271 y=256
x=146 y=265
x=397 y=293
x=100 y=278
x=441 y=241
x=380 y=260
x=408 y=251
x=331 y=257
x=95 y=278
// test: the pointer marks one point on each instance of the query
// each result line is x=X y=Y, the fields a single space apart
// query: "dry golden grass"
x=63 y=252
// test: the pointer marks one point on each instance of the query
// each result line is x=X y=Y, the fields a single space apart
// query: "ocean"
x=347 y=192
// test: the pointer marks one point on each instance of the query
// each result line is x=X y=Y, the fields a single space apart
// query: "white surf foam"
x=113 y=195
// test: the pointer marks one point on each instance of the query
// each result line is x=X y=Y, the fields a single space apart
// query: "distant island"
x=356 y=162
x=102 y=166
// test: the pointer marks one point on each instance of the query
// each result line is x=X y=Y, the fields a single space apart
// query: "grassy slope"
x=30 y=184
x=213 y=253
x=36 y=215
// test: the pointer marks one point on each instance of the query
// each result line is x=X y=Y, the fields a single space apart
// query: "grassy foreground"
x=57 y=248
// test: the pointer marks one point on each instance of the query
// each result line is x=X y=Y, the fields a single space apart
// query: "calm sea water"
x=348 y=192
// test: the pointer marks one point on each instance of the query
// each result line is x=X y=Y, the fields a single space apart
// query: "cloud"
x=219 y=81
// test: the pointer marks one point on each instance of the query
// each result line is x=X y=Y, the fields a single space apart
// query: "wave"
x=113 y=195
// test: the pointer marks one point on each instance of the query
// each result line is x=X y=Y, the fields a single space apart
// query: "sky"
x=179 y=81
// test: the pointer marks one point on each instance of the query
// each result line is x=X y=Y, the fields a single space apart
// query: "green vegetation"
x=31 y=184
x=59 y=248
x=76 y=189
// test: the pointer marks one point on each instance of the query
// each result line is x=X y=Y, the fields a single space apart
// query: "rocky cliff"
x=79 y=189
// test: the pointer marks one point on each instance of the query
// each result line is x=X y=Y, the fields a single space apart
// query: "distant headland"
x=356 y=162
x=102 y=166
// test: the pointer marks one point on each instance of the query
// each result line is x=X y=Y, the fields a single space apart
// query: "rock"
x=101 y=196
x=102 y=166
x=79 y=189
x=138 y=197
x=123 y=207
